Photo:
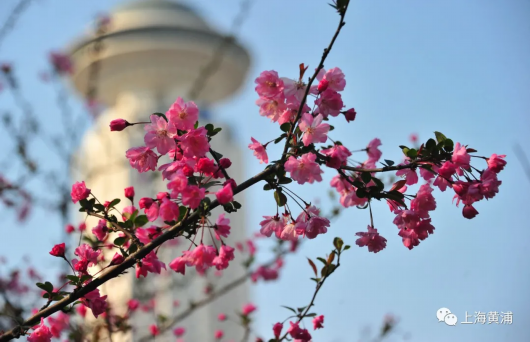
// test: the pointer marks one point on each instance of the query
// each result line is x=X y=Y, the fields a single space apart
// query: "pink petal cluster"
x=260 y=151
x=182 y=115
x=299 y=334
x=95 y=302
x=304 y=169
x=142 y=158
x=372 y=239
x=201 y=258
x=79 y=192
x=149 y=264
x=314 y=130
x=158 y=136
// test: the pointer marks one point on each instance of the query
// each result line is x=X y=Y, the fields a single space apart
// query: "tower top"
x=161 y=46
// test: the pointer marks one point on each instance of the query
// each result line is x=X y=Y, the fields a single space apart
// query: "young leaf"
x=439 y=137
x=141 y=220
x=313 y=266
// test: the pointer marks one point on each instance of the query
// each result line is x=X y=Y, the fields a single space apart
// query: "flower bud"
x=58 y=250
x=118 y=125
x=469 y=212
x=225 y=163
x=323 y=85
x=350 y=114
x=129 y=192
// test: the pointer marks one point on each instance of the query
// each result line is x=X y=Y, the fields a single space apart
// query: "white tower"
x=153 y=53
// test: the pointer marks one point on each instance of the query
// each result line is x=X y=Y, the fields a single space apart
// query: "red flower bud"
x=350 y=114
x=225 y=163
x=323 y=85
x=145 y=202
x=129 y=192
x=58 y=250
x=118 y=125
x=469 y=212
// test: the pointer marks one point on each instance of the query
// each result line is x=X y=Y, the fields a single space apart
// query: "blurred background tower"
x=154 y=51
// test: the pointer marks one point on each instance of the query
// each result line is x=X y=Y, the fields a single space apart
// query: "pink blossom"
x=142 y=158
x=58 y=250
x=182 y=115
x=86 y=252
x=178 y=265
x=149 y=263
x=69 y=228
x=496 y=162
x=225 y=195
x=194 y=143
x=169 y=210
x=146 y=235
x=374 y=154
x=178 y=183
x=226 y=254
x=304 y=169
x=426 y=174
x=289 y=233
x=410 y=175
x=372 y=239
x=118 y=125
x=340 y=184
x=41 y=333
x=271 y=108
x=248 y=309
x=329 y=103
x=79 y=192
x=277 y=330
x=338 y=156
x=335 y=78
x=58 y=324
x=318 y=321
x=271 y=224
x=133 y=304
x=349 y=198
x=100 y=231
x=179 y=331
x=460 y=157
x=424 y=201
x=490 y=183
x=95 y=302
x=309 y=224
x=269 y=84
x=61 y=63
x=266 y=273
x=153 y=329
x=206 y=166
x=219 y=334
x=192 y=196
x=222 y=227
x=157 y=135
x=299 y=334
x=259 y=151
x=314 y=130
x=117 y=259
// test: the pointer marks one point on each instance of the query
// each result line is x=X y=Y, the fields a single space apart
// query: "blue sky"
x=459 y=67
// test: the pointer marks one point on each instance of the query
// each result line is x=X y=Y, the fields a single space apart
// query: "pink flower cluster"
x=308 y=224
x=202 y=258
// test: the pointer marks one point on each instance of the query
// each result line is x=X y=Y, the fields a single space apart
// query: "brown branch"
x=117 y=227
x=130 y=261
x=11 y=20
x=412 y=165
x=312 y=79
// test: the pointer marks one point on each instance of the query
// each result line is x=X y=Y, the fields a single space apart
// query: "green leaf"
x=280 y=198
x=378 y=183
x=285 y=180
x=439 y=137
x=288 y=308
x=182 y=212
x=209 y=127
x=285 y=127
x=312 y=314
x=448 y=145
x=141 y=220
x=361 y=193
x=236 y=204
x=280 y=138
x=267 y=187
x=347 y=247
x=412 y=153
x=99 y=207
x=431 y=145
x=73 y=279
x=114 y=202
x=313 y=266
x=132 y=248
x=366 y=177
x=216 y=155
x=389 y=162
x=337 y=242
x=47 y=286
x=84 y=278
x=215 y=131
x=120 y=241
